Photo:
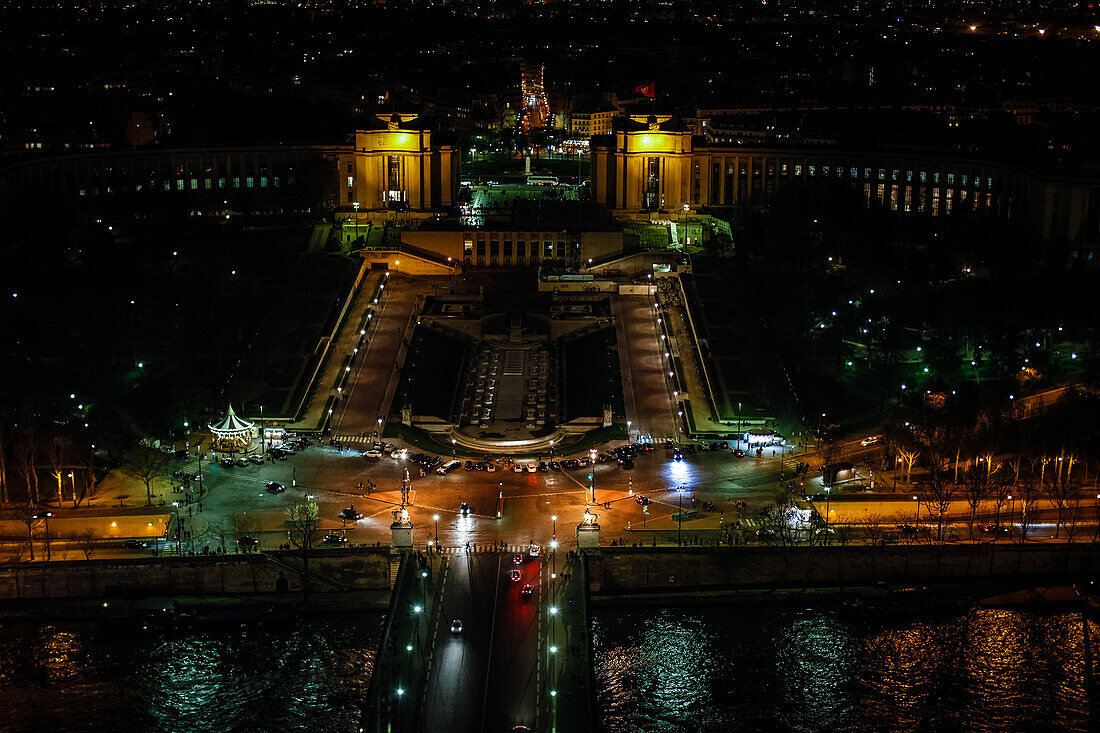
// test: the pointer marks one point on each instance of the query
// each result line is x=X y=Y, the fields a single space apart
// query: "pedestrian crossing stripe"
x=354 y=439
x=481 y=549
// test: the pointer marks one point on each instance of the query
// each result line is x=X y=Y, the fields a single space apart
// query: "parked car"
x=241 y=462
x=543 y=467
x=374 y=454
x=350 y=515
x=334 y=539
x=555 y=466
x=247 y=542
x=517 y=468
x=531 y=468
x=256 y=458
x=135 y=544
x=227 y=462
x=995 y=529
x=870 y=440
x=274 y=487
x=643 y=500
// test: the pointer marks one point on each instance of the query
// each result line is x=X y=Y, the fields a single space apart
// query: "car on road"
x=334 y=539
x=643 y=500
x=517 y=559
x=870 y=440
x=534 y=550
x=491 y=467
x=995 y=529
x=247 y=542
x=227 y=462
x=764 y=533
x=669 y=444
x=196 y=478
x=135 y=544
x=480 y=466
x=468 y=466
x=177 y=474
x=543 y=467
x=456 y=626
x=516 y=576
x=242 y=462
x=256 y=458
x=738 y=453
x=517 y=468
x=526 y=591
x=555 y=466
x=274 y=487
x=350 y=515
x=906 y=529
x=464 y=509
x=677 y=455
x=374 y=454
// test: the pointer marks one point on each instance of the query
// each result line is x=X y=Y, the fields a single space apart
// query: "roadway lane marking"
x=492 y=630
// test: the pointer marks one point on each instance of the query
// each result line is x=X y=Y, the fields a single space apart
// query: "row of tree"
x=42 y=462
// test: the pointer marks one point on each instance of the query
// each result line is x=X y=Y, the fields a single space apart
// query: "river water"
x=796 y=669
x=309 y=676
x=659 y=670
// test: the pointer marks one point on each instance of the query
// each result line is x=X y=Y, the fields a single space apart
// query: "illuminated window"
x=83 y=192
x=908 y=200
x=882 y=174
x=547 y=250
x=276 y=181
x=908 y=175
x=950 y=179
x=923 y=176
x=236 y=182
x=813 y=170
x=866 y=173
x=167 y=186
x=964 y=179
x=351 y=181
x=194 y=184
x=221 y=183
x=825 y=170
x=893 y=175
x=798 y=170
x=263 y=181
x=854 y=172
x=249 y=181
x=179 y=184
x=207 y=184
x=936 y=177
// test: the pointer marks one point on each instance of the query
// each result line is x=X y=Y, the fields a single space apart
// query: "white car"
x=491 y=467
x=531 y=468
x=517 y=468
x=870 y=440
x=373 y=454
x=456 y=626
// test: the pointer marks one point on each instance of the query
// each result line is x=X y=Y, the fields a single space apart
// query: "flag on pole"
x=647 y=90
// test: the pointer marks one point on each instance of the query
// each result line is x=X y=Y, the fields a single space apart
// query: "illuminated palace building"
x=653 y=164
x=652 y=168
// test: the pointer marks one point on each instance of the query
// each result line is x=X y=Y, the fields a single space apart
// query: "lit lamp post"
x=592 y=473
x=827 y=515
x=918 y=509
x=1011 y=513
x=551 y=449
x=263 y=433
x=739 y=426
x=179 y=534
x=355 y=205
x=435 y=517
x=46 y=516
x=454 y=449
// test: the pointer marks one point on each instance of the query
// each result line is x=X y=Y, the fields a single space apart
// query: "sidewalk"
x=341 y=353
x=568 y=666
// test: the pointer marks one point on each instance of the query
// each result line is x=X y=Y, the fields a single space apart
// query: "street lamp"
x=592 y=474
x=46 y=516
x=827 y=514
x=454 y=450
x=679 y=515
x=739 y=426
x=918 y=509
x=355 y=205
x=179 y=533
x=436 y=518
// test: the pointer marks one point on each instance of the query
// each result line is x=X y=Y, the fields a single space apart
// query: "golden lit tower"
x=536 y=108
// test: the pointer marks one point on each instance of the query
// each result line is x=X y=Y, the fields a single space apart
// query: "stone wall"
x=629 y=570
x=331 y=570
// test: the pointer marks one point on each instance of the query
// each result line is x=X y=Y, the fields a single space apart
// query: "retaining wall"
x=629 y=570
x=352 y=569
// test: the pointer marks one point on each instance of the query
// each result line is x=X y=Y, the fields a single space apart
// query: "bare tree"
x=5 y=496
x=909 y=455
x=303 y=522
x=91 y=481
x=977 y=480
x=147 y=463
x=56 y=456
x=1027 y=494
x=28 y=515
x=1062 y=487
x=88 y=542
x=218 y=532
x=27 y=449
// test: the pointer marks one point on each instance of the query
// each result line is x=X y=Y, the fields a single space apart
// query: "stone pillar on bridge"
x=401 y=531
x=588 y=532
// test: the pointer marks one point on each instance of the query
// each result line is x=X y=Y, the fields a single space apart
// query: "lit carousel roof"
x=232 y=424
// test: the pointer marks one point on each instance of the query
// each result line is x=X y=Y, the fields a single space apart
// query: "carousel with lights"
x=232 y=434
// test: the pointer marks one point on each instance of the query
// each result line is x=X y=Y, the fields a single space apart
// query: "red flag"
x=647 y=90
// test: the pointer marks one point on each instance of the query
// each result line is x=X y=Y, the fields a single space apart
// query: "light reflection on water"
x=78 y=677
x=712 y=669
